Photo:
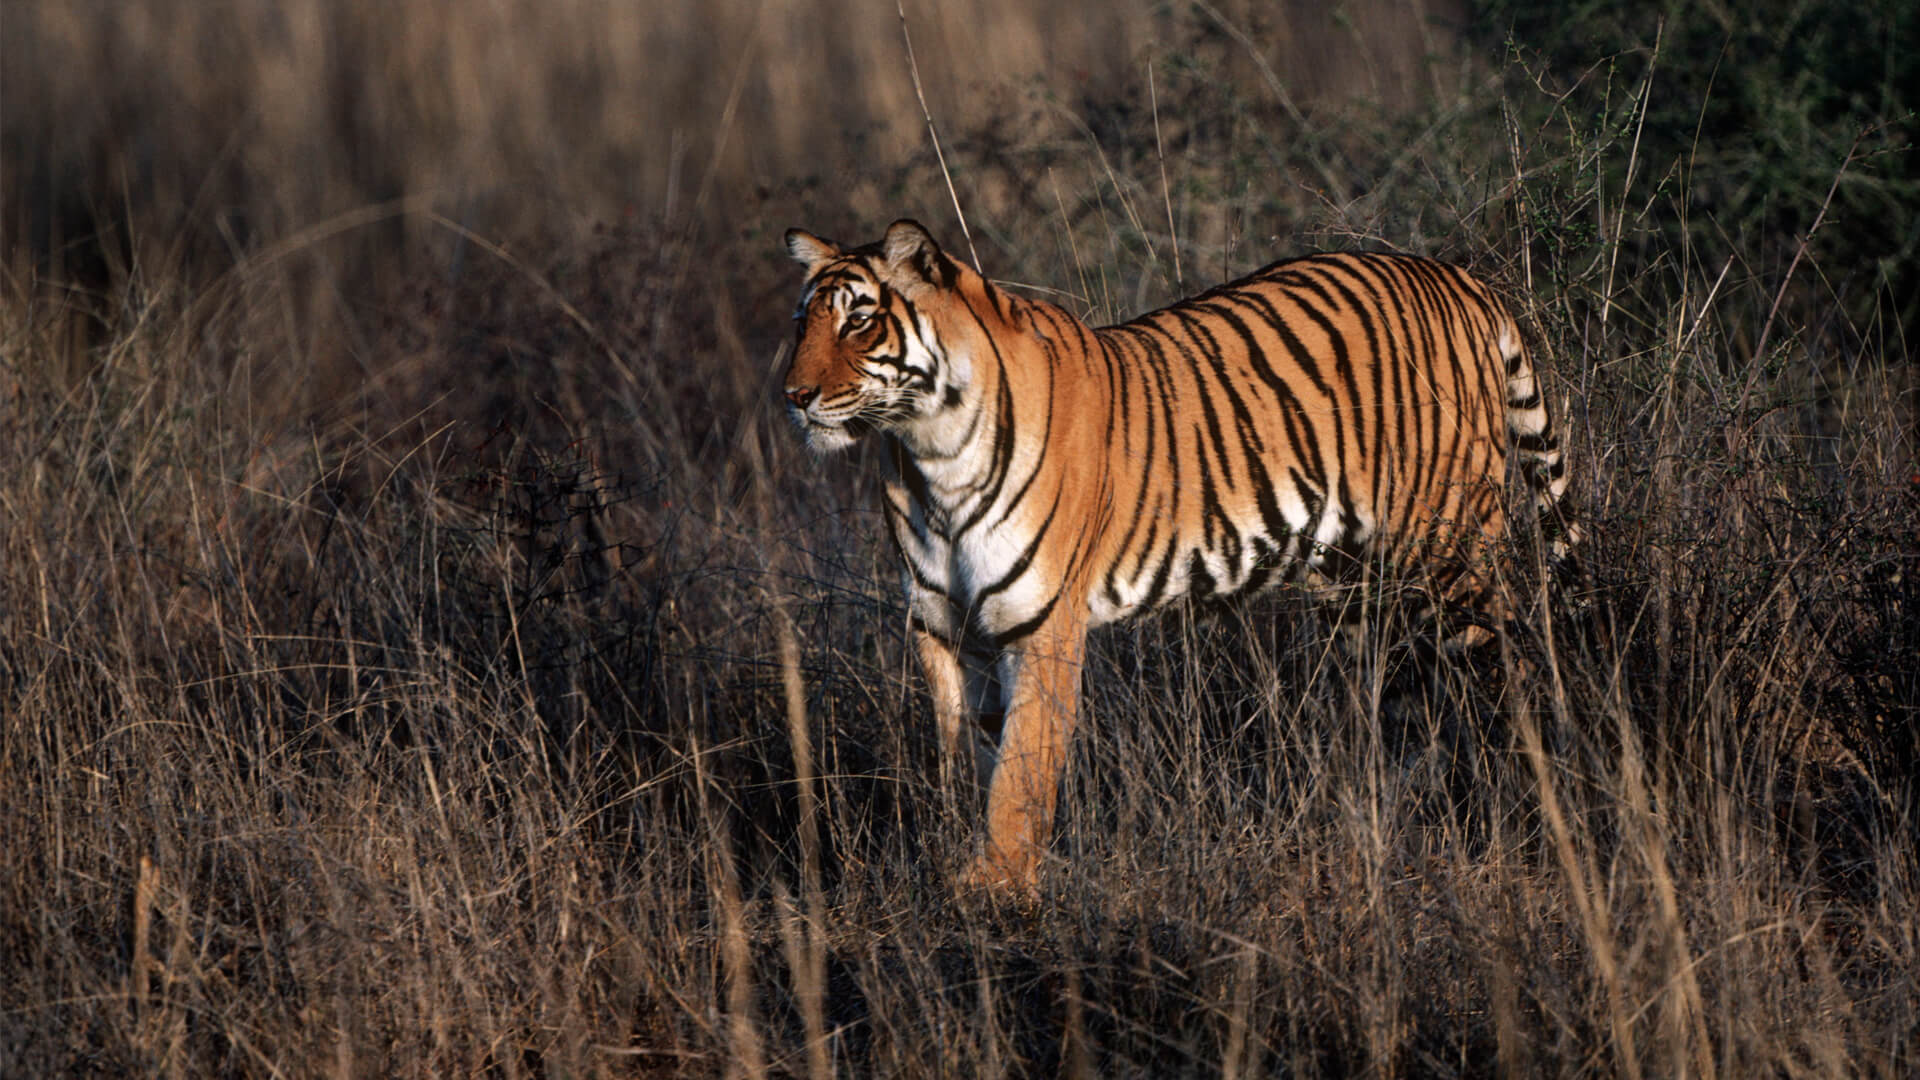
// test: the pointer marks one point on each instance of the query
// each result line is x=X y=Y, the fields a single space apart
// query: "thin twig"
x=1626 y=184
x=1766 y=328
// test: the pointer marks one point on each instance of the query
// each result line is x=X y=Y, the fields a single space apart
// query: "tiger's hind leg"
x=1483 y=612
x=1472 y=598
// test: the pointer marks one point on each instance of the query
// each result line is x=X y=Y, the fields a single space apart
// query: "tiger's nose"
x=800 y=396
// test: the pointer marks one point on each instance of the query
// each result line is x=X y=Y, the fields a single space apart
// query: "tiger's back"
x=1312 y=420
x=1317 y=416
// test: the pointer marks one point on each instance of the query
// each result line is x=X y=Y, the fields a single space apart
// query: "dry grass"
x=424 y=651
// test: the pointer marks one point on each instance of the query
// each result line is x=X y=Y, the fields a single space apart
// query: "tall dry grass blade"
x=806 y=973
x=748 y=1056
x=809 y=962
x=1240 y=1058
x=1079 y=1055
x=180 y=965
x=1683 y=1027
x=138 y=977
x=1584 y=889
x=731 y=109
x=1512 y=1061
x=1120 y=190
x=1166 y=194
x=1073 y=244
x=933 y=134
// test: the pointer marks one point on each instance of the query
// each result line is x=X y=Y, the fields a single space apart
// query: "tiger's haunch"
x=1315 y=418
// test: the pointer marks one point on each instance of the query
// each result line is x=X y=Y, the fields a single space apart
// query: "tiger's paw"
x=1001 y=878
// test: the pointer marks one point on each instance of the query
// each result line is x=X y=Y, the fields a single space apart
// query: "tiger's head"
x=872 y=353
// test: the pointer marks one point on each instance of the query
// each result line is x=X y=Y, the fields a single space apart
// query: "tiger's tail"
x=1536 y=447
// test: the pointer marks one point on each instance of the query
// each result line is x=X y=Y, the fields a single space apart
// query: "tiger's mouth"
x=852 y=427
x=827 y=436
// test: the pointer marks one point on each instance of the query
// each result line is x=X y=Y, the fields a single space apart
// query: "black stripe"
x=1516 y=363
x=1200 y=582
x=1016 y=633
x=1117 y=340
x=1002 y=452
x=1021 y=564
x=1299 y=425
x=1216 y=525
x=1158 y=588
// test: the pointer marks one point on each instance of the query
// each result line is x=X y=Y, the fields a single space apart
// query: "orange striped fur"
x=1319 y=416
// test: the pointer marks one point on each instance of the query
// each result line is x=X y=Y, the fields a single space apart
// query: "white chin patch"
x=825 y=439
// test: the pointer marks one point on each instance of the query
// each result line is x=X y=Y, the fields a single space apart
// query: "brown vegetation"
x=424 y=649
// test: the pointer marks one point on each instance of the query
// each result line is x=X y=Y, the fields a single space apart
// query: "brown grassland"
x=426 y=650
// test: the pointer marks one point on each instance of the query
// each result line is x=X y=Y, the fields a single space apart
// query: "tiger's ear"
x=809 y=250
x=911 y=248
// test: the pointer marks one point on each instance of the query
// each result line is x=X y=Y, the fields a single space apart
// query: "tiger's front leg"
x=1043 y=705
x=942 y=667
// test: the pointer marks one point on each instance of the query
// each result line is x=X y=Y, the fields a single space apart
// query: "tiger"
x=1319 y=415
